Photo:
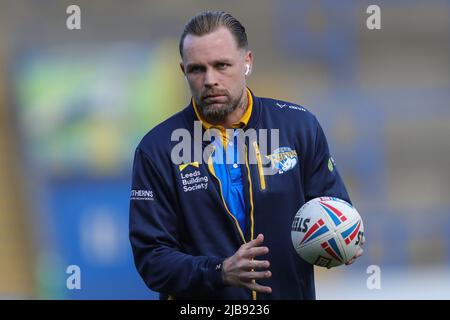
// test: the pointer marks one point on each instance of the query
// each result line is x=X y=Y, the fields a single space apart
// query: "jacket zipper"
x=252 y=222
x=211 y=170
x=262 y=178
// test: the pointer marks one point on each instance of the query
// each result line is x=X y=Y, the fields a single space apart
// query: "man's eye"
x=222 y=66
x=195 y=69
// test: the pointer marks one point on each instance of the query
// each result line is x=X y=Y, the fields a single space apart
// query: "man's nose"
x=210 y=78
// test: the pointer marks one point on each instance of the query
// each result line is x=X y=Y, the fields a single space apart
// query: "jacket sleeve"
x=155 y=237
x=323 y=178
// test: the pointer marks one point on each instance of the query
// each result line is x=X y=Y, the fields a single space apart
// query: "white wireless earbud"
x=248 y=69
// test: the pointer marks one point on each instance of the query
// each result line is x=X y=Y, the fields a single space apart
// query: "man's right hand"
x=239 y=269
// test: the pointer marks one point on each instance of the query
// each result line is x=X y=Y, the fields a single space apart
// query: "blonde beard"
x=216 y=115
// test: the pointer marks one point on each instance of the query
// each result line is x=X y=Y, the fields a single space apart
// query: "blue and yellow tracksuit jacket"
x=181 y=228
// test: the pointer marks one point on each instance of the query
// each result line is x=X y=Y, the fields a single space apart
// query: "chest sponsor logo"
x=283 y=159
x=194 y=180
x=185 y=165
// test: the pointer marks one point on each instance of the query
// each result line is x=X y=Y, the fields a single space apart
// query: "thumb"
x=259 y=239
x=255 y=242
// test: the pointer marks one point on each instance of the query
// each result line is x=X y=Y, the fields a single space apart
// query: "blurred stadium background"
x=74 y=104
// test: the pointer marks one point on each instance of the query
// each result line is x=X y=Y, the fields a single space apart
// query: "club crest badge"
x=283 y=159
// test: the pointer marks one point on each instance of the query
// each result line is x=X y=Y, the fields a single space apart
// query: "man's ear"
x=182 y=69
x=249 y=58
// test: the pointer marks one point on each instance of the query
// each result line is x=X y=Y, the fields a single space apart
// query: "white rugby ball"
x=327 y=232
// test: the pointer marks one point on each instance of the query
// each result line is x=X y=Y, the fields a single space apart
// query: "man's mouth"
x=215 y=98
